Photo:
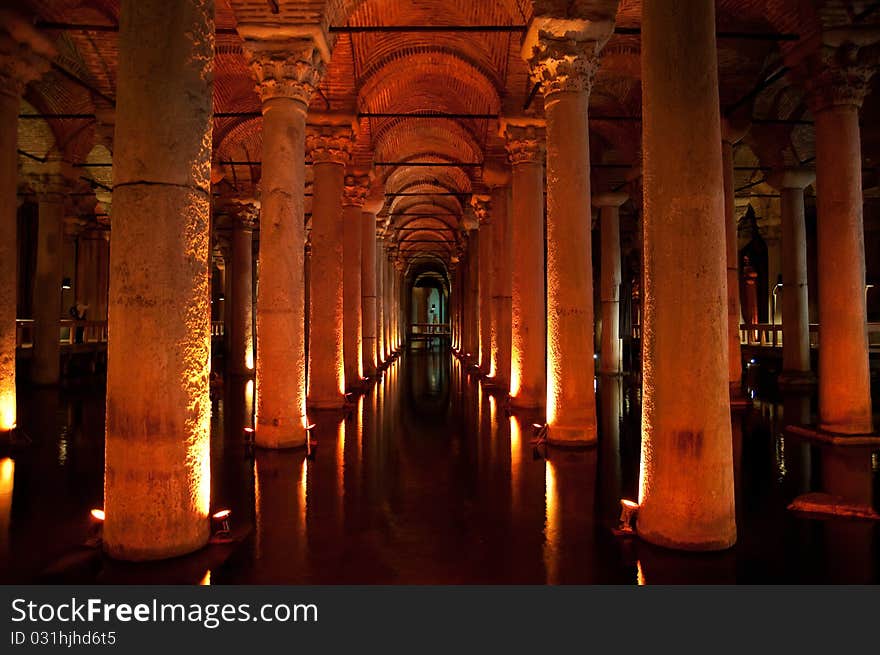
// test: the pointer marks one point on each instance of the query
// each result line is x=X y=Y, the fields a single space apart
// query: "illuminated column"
x=240 y=283
x=686 y=480
x=286 y=80
x=354 y=195
x=473 y=345
x=610 y=361
x=157 y=487
x=483 y=211
x=329 y=147
x=564 y=61
x=528 y=327
x=837 y=84
x=380 y=302
x=731 y=134
x=795 y=308
x=52 y=187
x=498 y=178
x=24 y=56
x=370 y=352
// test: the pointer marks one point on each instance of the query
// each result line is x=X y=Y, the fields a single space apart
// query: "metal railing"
x=422 y=330
x=71 y=332
x=770 y=335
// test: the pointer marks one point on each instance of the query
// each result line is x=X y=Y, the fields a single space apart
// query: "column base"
x=151 y=553
x=525 y=403
x=494 y=384
x=829 y=505
x=660 y=539
x=272 y=438
x=611 y=374
x=818 y=435
x=326 y=403
x=246 y=373
x=571 y=436
x=796 y=380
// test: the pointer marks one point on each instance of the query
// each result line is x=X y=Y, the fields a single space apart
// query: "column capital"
x=496 y=174
x=289 y=68
x=610 y=199
x=25 y=53
x=524 y=140
x=52 y=181
x=356 y=190
x=562 y=53
x=329 y=142
x=836 y=67
x=482 y=206
x=469 y=220
x=733 y=130
x=791 y=178
x=245 y=214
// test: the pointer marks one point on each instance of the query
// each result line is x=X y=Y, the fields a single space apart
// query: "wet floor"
x=427 y=479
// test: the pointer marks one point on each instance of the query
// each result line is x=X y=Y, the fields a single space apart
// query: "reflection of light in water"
x=248 y=401
x=206 y=579
x=493 y=428
x=303 y=495
x=515 y=459
x=551 y=523
x=7 y=482
x=340 y=460
x=780 y=457
x=360 y=426
x=875 y=462
x=257 y=512
x=640 y=574
x=62 y=447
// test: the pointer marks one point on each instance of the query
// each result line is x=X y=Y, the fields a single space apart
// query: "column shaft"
x=380 y=303
x=571 y=400
x=241 y=307
x=326 y=369
x=528 y=328
x=610 y=352
x=351 y=286
x=501 y=292
x=686 y=481
x=368 y=292
x=844 y=377
x=9 y=107
x=487 y=237
x=157 y=456
x=734 y=357
x=46 y=363
x=795 y=307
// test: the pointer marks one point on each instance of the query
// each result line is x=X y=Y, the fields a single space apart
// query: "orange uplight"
x=222 y=514
x=98 y=514
x=631 y=504
x=7 y=409
x=206 y=579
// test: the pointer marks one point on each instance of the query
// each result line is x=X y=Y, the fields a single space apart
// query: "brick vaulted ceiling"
x=399 y=75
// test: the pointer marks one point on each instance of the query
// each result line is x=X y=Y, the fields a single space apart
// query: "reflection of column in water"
x=515 y=465
x=281 y=501
x=849 y=545
x=847 y=475
x=551 y=524
x=736 y=433
x=610 y=473
x=7 y=483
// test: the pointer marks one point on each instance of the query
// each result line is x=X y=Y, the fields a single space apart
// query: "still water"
x=428 y=479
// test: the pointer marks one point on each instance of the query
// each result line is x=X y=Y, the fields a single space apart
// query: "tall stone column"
x=795 y=306
x=483 y=211
x=497 y=178
x=369 y=345
x=610 y=359
x=528 y=362
x=564 y=62
x=157 y=472
x=354 y=195
x=381 y=347
x=24 y=56
x=241 y=295
x=473 y=346
x=329 y=146
x=287 y=75
x=731 y=134
x=52 y=187
x=837 y=84
x=686 y=479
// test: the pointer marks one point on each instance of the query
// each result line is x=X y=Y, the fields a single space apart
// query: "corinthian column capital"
x=25 y=53
x=482 y=206
x=563 y=54
x=356 y=190
x=524 y=140
x=285 y=69
x=330 y=141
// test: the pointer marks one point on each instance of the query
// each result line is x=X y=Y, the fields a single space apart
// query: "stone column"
x=686 y=480
x=528 y=328
x=52 y=188
x=564 y=62
x=240 y=325
x=472 y=351
x=381 y=347
x=837 y=84
x=610 y=361
x=370 y=351
x=329 y=146
x=24 y=56
x=157 y=472
x=497 y=178
x=731 y=134
x=795 y=308
x=354 y=195
x=483 y=211
x=287 y=75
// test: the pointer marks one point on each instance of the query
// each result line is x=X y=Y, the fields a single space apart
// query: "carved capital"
x=482 y=206
x=356 y=190
x=524 y=143
x=329 y=143
x=836 y=75
x=562 y=53
x=285 y=69
x=24 y=53
x=245 y=215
